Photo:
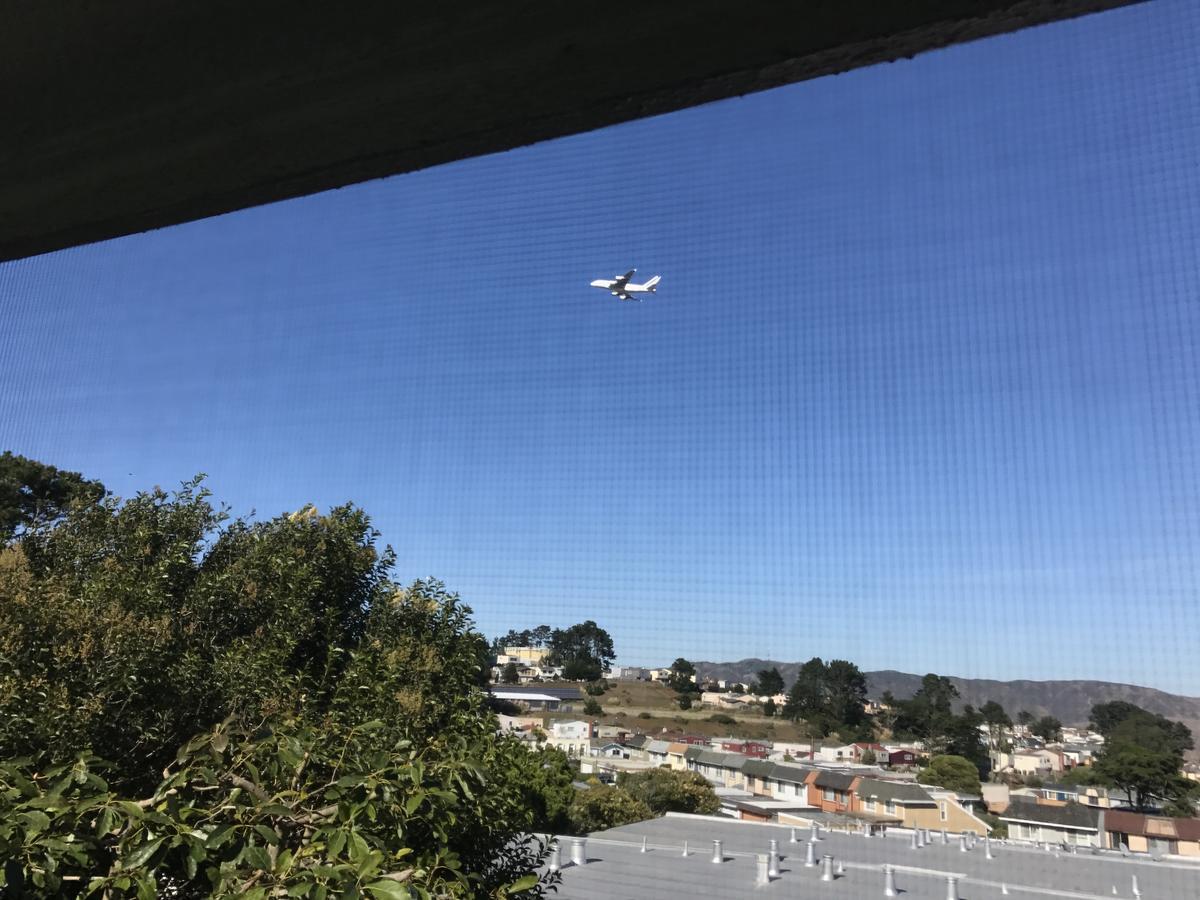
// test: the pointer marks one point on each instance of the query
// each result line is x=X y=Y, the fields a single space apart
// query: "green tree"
x=869 y=757
x=592 y=707
x=954 y=773
x=846 y=690
x=684 y=701
x=928 y=716
x=1025 y=717
x=584 y=651
x=998 y=723
x=770 y=682
x=769 y=708
x=1047 y=728
x=680 y=679
x=1123 y=721
x=509 y=675
x=664 y=790
x=963 y=738
x=601 y=807
x=1143 y=755
x=279 y=716
x=829 y=697
x=1151 y=778
x=1107 y=716
x=34 y=494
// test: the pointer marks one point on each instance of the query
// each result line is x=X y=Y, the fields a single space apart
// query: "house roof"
x=790 y=773
x=837 y=781
x=618 y=869
x=637 y=741
x=1072 y=815
x=718 y=758
x=760 y=767
x=555 y=692
x=653 y=746
x=904 y=793
x=526 y=696
x=1152 y=826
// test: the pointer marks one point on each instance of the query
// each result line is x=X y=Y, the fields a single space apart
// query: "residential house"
x=797 y=750
x=611 y=750
x=1055 y=823
x=1141 y=833
x=900 y=759
x=917 y=806
x=836 y=753
x=572 y=737
x=721 y=700
x=536 y=696
x=752 y=749
x=671 y=754
x=861 y=747
x=1042 y=761
x=832 y=791
x=722 y=769
x=656 y=752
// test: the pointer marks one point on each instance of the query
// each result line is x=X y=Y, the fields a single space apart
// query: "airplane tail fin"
x=653 y=281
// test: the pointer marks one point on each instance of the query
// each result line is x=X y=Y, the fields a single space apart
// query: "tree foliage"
x=1048 y=728
x=770 y=682
x=954 y=773
x=34 y=495
x=680 y=679
x=601 y=806
x=584 y=651
x=276 y=715
x=998 y=723
x=665 y=790
x=828 y=696
x=1143 y=755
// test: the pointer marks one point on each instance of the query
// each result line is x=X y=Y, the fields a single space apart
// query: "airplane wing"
x=622 y=280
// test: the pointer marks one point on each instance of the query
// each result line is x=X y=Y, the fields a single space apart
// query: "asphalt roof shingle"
x=904 y=793
x=1072 y=815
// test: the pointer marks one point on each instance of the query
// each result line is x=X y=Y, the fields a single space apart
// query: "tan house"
x=1140 y=833
x=913 y=806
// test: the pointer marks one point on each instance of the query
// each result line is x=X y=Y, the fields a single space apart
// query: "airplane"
x=620 y=286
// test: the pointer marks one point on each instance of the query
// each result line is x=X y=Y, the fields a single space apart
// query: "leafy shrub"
x=601 y=806
x=722 y=719
x=644 y=715
x=665 y=790
x=278 y=715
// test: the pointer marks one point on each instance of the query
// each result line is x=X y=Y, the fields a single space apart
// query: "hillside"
x=1069 y=701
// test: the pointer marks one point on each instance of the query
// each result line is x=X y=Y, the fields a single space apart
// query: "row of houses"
x=792 y=792
x=1080 y=825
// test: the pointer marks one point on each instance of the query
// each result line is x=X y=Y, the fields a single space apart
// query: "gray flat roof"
x=618 y=870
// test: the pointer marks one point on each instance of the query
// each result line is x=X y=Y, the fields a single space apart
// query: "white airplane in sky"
x=620 y=286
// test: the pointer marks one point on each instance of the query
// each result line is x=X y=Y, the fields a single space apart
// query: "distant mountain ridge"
x=1068 y=701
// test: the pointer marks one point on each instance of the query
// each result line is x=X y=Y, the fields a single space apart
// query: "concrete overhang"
x=123 y=116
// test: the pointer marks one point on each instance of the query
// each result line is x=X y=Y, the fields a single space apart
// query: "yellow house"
x=912 y=806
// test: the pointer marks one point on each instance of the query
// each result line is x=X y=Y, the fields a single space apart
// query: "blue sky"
x=920 y=387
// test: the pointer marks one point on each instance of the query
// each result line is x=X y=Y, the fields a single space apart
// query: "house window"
x=890 y=809
x=830 y=795
x=944 y=810
x=870 y=804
